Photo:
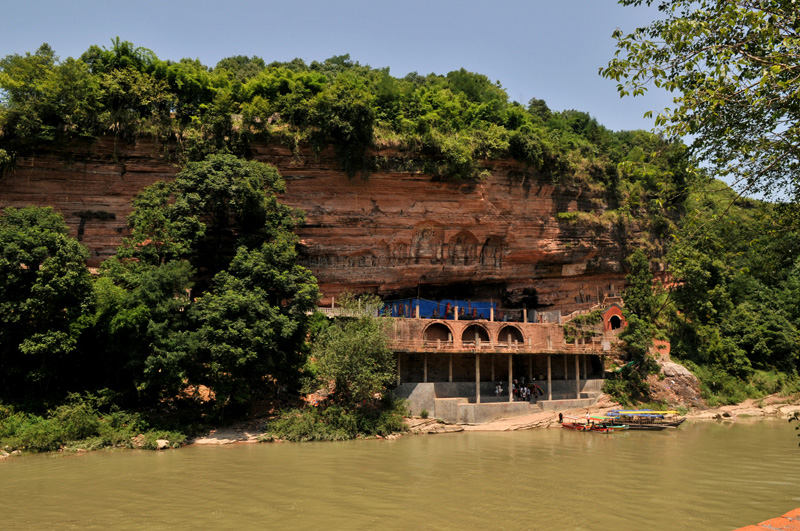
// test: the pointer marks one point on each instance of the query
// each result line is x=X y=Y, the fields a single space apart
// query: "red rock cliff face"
x=395 y=233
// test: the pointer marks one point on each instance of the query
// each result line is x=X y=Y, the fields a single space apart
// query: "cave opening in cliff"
x=496 y=291
x=456 y=291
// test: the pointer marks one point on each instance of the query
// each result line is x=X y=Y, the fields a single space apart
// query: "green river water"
x=701 y=476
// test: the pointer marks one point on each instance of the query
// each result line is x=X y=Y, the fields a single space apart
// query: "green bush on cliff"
x=455 y=120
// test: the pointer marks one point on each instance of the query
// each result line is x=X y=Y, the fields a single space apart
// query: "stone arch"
x=473 y=333
x=509 y=334
x=463 y=248
x=615 y=322
x=437 y=332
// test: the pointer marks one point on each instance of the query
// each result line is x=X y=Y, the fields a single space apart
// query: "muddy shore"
x=770 y=407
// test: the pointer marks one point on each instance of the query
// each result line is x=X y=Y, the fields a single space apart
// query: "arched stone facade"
x=438 y=332
x=510 y=334
x=475 y=333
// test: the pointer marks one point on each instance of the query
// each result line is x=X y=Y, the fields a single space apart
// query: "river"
x=703 y=475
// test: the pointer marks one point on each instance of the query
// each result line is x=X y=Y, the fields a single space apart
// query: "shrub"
x=335 y=423
x=79 y=424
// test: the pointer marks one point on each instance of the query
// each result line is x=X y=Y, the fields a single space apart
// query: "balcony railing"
x=488 y=346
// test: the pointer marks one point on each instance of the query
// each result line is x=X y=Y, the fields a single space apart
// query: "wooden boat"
x=608 y=424
x=633 y=425
x=574 y=423
x=647 y=419
x=574 y=426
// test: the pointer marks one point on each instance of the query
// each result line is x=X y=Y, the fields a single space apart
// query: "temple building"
x=458 y=360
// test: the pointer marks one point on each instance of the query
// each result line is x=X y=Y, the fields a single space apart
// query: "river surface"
x=701 y=476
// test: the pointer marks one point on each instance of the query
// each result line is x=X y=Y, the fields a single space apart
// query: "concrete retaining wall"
x=418 y=396
x=480 y=413
x=454 y=401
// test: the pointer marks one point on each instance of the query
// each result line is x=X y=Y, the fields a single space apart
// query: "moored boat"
x=574 y=426
x=608 y=424
x=646 y=419
x=574 y=423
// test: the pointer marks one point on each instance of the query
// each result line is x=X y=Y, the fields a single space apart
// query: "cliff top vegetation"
x=455 y=120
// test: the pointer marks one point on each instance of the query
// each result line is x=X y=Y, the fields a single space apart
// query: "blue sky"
x=545 y=49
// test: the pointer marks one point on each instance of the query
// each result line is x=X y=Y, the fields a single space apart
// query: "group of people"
x=520 y=391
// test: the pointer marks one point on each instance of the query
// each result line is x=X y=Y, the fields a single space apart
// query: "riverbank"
x=770 y=407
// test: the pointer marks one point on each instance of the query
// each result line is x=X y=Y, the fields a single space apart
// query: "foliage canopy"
x=734 y=68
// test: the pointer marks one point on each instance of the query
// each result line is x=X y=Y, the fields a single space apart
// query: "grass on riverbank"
x=717 y=386
x=334 y=423
x=721 y=388
x=79 y=424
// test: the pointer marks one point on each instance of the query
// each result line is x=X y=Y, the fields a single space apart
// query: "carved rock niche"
x=427 y=243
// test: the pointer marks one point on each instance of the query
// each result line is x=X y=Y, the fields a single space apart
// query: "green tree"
x=219 y=229
x=353 y=354
x=344 y=115
x=641 y=309
x=141 y=336
x=241 y=67
x=251 y=325
x=734 y=68
x=43 y=100
x=45 y=290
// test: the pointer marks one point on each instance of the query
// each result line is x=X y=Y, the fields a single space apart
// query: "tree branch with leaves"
x=734 y=67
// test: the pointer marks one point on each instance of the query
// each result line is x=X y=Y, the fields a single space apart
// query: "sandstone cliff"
x=395 y=233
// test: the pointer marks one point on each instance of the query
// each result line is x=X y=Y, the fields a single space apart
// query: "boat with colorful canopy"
x=646 y=419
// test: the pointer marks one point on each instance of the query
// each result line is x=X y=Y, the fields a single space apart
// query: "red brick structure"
x=613 y=318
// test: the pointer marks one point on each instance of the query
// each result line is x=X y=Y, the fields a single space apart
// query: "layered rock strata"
x=394 y=233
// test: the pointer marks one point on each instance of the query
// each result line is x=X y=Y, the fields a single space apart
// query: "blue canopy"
x=441 y=309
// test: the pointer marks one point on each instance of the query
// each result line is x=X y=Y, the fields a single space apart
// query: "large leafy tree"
x=734 y=67
x=45 y=290
x=251 y=325
x=219 y=229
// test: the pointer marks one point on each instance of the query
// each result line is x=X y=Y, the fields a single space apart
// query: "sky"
x=550 y=50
